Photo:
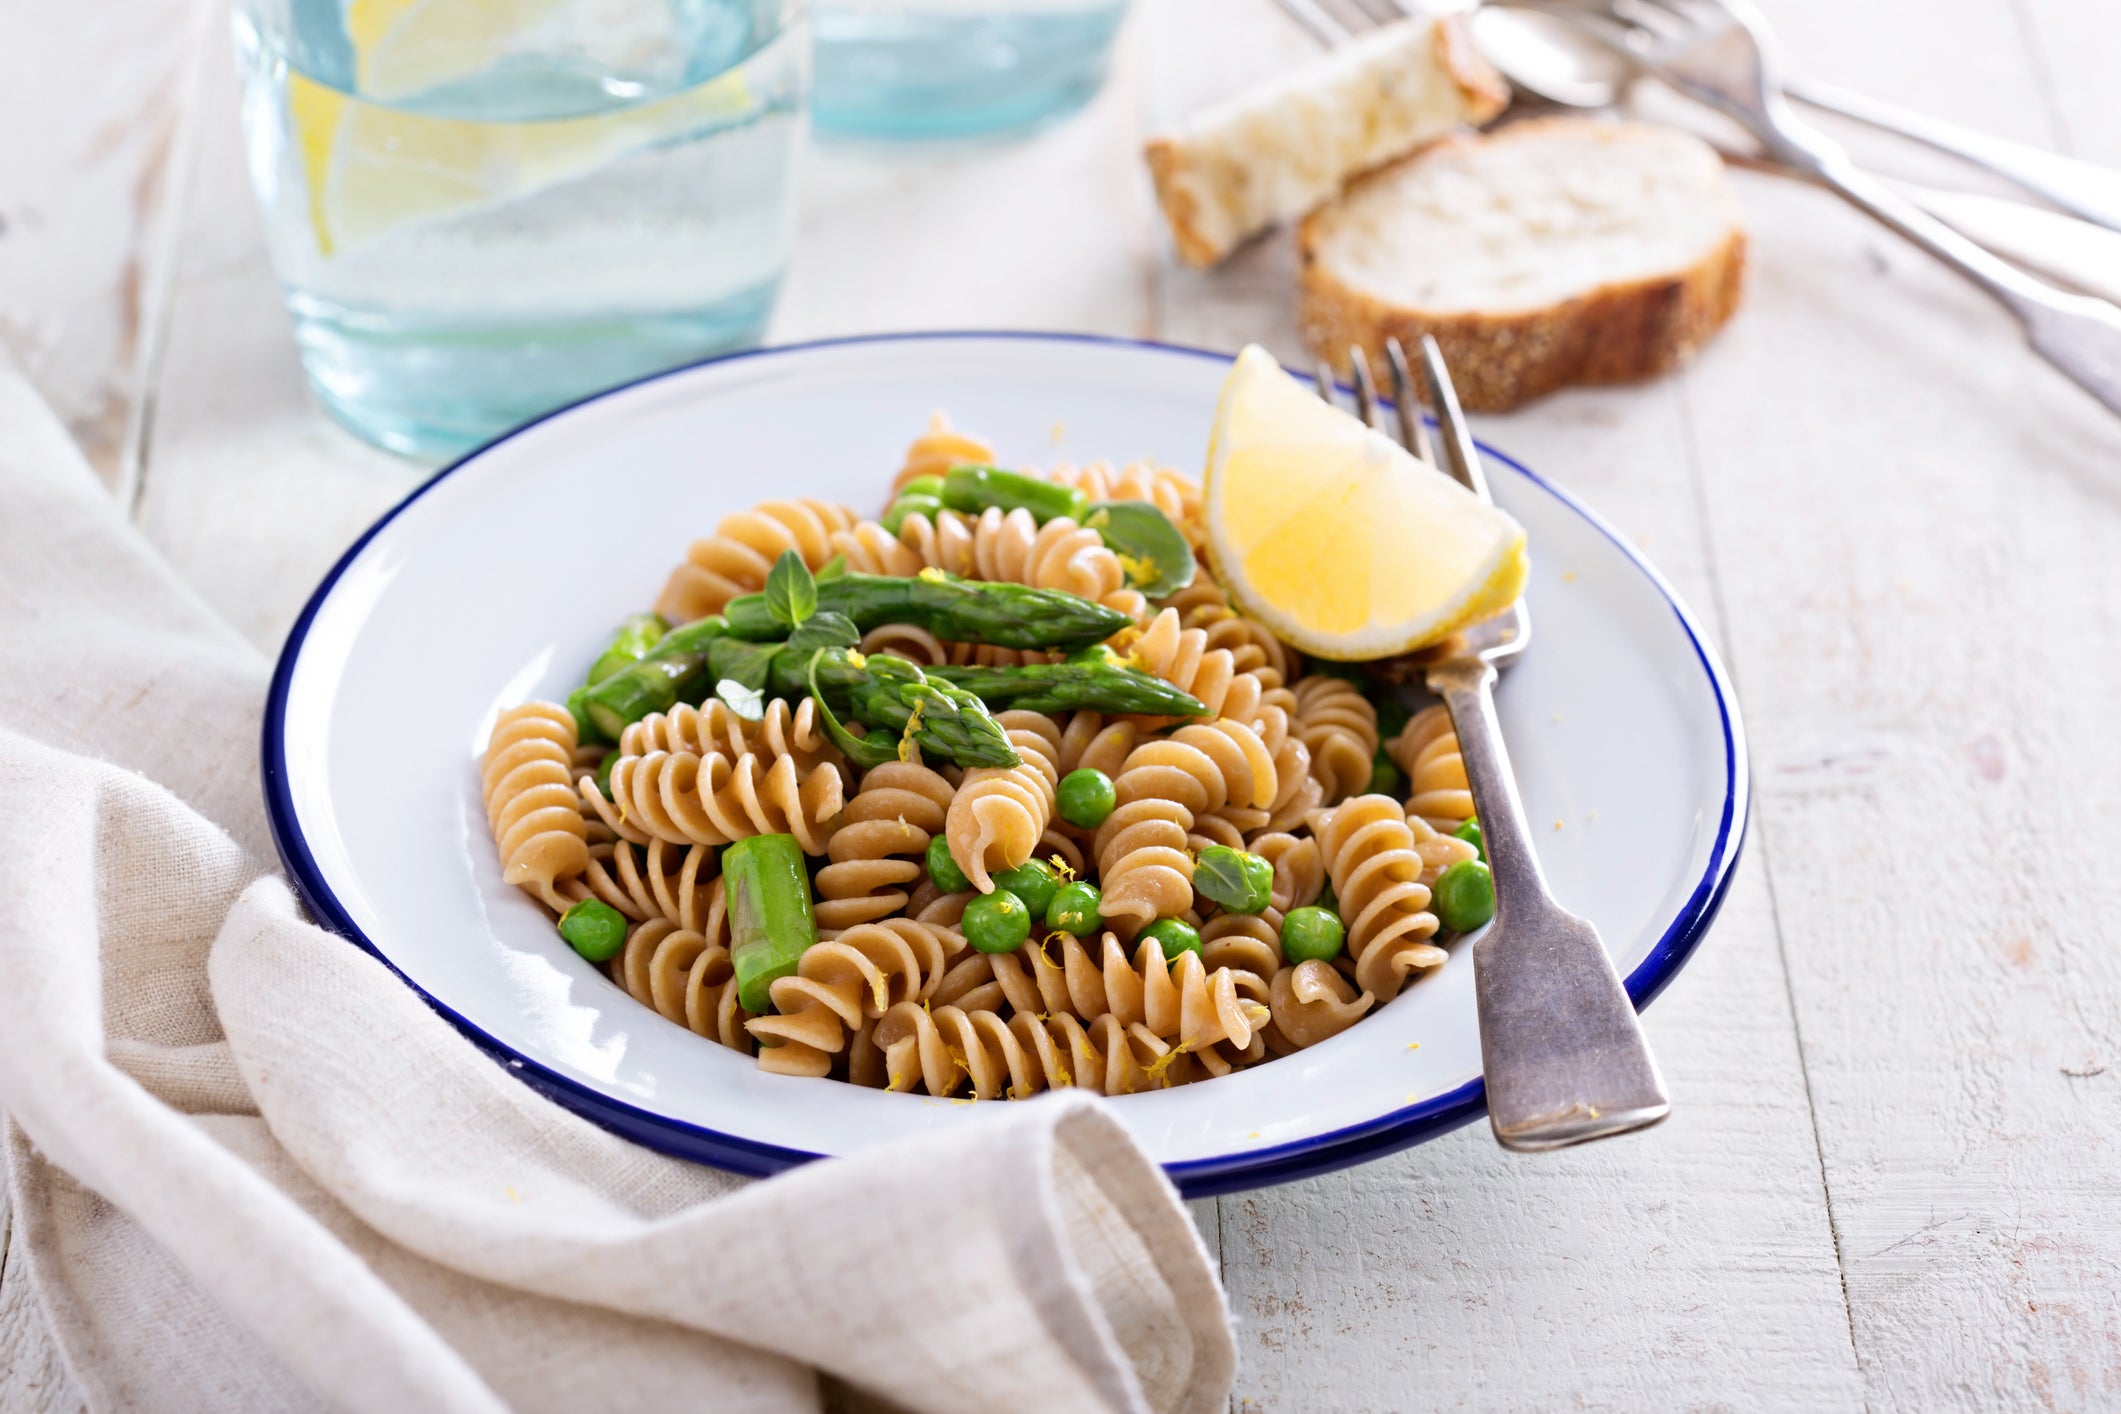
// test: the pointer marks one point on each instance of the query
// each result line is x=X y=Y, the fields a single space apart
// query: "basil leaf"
x=1151 y=550
x=1240 y=882
x=791 y=590
x=746 y=664
x=744 y=701
x=830 y=629
x=835 y=568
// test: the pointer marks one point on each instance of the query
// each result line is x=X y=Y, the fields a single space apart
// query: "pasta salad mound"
x=994 y=792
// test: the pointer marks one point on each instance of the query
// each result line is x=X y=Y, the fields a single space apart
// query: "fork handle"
x=2083 y=189
x=1561 y=1049
x=2077 y=334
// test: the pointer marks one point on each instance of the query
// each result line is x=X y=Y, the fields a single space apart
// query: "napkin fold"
x=251 y=1169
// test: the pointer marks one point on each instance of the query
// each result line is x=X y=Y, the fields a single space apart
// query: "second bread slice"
x=1558 y=251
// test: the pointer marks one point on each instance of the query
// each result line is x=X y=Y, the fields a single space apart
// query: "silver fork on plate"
x=1720 y=53
x=1560 y=1046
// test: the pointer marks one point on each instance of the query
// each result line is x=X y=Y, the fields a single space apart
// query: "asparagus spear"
x=961 y=611
x=771 y=922
x=1099 y=683
x=888 y=695
x=674 y=668
x=630 y=643
x=973 y=489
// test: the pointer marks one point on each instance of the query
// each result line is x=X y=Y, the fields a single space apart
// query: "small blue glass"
x=923 y=69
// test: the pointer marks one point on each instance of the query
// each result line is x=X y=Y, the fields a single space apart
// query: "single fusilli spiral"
x=840 y=982
x=712 y=799
x=938 y=449
x=1310 y=1002
x=999 y=814
x=878 y=842
x=530 y=800
x=734 y=560
x=658 y=880
x=781 y=731
x=942 y=1050
x=1427 y=750
x=1339 y=728
x=1369 y=854
x=1205 y=605
x=686 y=975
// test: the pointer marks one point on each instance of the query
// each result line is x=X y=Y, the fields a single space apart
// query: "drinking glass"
x=483 y=209
x=957 y=68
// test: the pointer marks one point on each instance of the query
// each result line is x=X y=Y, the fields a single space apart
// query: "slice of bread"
x=1554 y=251
x=1273 y=154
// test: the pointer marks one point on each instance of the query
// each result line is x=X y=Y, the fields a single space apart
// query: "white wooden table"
x=1892 y=1178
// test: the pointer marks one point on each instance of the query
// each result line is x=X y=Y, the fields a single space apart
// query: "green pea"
x=1464 y=896
x=594 y=929
x=907 y=505
x=1240 y=882
x=1384 y=775
x=943 y=870
x=1074 y=909
x=923 y=486
x=1470 y=833
x=1174 y=936
x=997 y=922
x=1033 y=882
x=1086 y=798
x=1312 y=935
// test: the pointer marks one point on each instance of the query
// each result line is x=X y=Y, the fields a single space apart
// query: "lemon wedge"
x=1336 y=537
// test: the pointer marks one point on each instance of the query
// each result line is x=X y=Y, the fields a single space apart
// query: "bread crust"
x=1196 y=188
x=1618 y=332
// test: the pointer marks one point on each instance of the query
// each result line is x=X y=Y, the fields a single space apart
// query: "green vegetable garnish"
x=630 y=643
x=942 y=869
x=907 y=505
x=674 y=668
x=1312 y=934
x=1085 y=798
x=996 y=922
x=1470 y=833
x=1464 y=896
x=1240 y=882
x=1075 y=909
x=1151 y=550
x=791 y=590
x=954 y=610
x=770 y=920
x=1174 y=936
x=973 y=489
x=1033 y=882
x=1093 y=680
x=594 y=929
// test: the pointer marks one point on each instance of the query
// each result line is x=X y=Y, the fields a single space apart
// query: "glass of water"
x=483 y=209
x=957 y=68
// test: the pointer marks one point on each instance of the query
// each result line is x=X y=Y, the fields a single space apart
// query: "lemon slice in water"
x=372 y=169
x=1336 y=537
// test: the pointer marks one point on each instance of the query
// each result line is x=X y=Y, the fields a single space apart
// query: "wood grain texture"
x=1896 y=1063
x=92 y=97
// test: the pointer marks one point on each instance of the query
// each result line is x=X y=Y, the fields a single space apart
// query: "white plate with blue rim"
x=499 y=579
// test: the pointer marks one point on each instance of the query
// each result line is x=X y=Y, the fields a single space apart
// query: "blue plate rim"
x=1196 y=1178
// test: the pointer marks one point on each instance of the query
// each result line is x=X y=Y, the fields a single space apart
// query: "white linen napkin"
x=251 y=1170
